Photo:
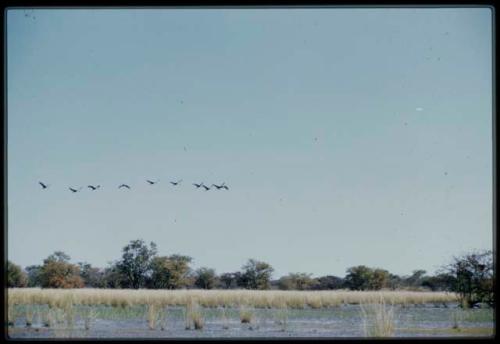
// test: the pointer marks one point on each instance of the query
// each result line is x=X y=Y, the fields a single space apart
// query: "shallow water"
x=342 y=321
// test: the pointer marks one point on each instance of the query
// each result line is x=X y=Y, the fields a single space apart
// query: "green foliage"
x=296 y=281
x=415 y=280
x=16 y=277
x=328 y=283
x=170 y=272
x=58 y=256
x=135 y=264
x=113 y=278
x=358 y=277
x=92 y=277
x=229 y=280
x=439 y=282
x=473 y=277
x=256 y=275
x=379 y=279
x=205 y=278
x=364 y=278
x=58 y=272
x=34 y=275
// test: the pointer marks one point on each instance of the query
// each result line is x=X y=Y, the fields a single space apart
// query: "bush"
x=473 y=277
x=16 y=277
x=57 y=272
x=256 y=275
x=205 y=278
x=296 y=281
x=365 y=278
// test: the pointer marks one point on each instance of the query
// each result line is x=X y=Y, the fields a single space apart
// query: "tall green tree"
x=113 y=277
x=34 y=272
x=379 y=279
x=229 y=280
x=205 y=278
x=135 y=264
x=473 y=277
x=359 y=277
x=256 y=275
x=170 y=272
x=16 y=277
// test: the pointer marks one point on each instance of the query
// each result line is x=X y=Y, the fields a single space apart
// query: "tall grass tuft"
x=378 y=319
x=89 y=316
x=457 y=316
x=282 y=316
x=47 y=317
x=225 y=321
x=152 y=315
x=246 y=314
x=29 y=312
x=11 y=314
x=193 y=315
x=69 y=315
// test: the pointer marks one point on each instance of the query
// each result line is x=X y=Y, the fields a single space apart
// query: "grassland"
x=68 y=309
x=63 y=298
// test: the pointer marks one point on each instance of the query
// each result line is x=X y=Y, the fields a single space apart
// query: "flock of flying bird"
x=150 y=182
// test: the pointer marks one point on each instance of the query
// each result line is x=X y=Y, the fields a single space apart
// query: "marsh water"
x=343 y=321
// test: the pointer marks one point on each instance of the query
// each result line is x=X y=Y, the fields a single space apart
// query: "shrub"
x=16 y=277
x=473 y=278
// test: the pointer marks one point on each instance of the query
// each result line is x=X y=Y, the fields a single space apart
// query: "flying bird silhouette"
x=44 y=186
x=225 y=186
x=197 y=185
x=93 y=187
x=205 y=187
x=218 y=186
x=176 y=183
x=124 y=186
x=75 y=190
x=152 y=182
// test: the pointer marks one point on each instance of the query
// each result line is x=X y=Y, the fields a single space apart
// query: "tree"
x=34 y=272
x=170 y=272
x=92 y=277
x=59 y=256
x=328 y=283
x=113 y=277
x=135 y=264
x=256 y=275
x=395 y=282
x=358 y=277
x=58 y=272
x=229 y=280
x=379 y=279
x=296 y=281
x=205 y=278
x=440 y=282
x=415 y=280
x=16 y=277
x=364 y=278
x=473 y=277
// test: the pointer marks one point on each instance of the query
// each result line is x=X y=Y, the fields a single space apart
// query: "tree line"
x=470 y=275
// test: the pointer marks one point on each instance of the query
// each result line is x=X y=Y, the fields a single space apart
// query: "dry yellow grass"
x=65 y=298
x=378 y=319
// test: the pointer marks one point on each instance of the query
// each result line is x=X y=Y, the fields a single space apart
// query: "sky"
x=346 y=136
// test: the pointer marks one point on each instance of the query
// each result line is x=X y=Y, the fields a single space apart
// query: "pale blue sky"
x=346 y=136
